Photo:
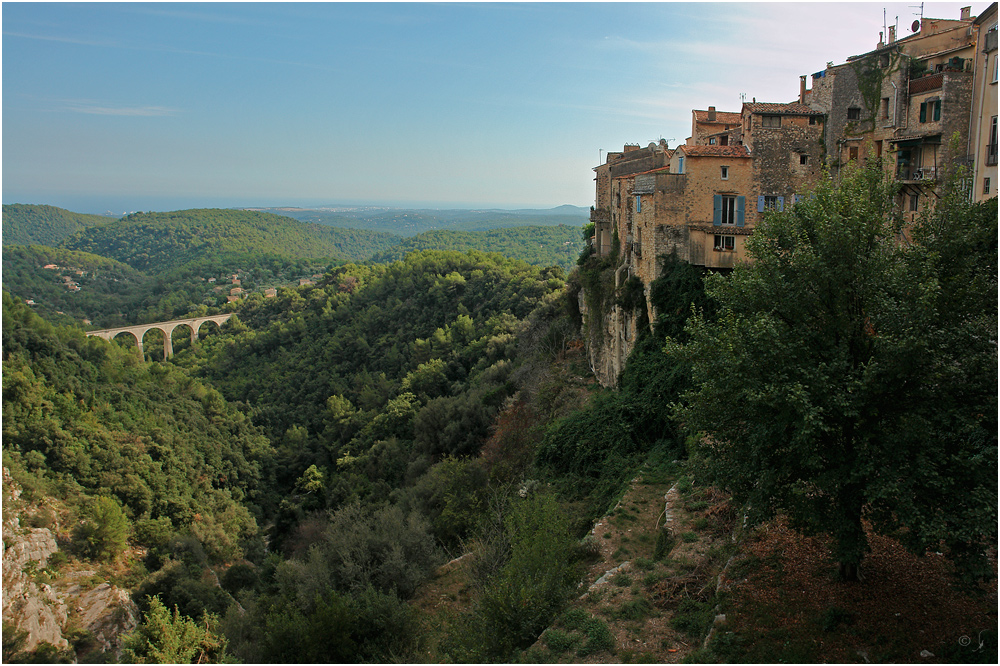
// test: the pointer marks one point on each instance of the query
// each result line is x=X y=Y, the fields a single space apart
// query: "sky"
x=115 y=107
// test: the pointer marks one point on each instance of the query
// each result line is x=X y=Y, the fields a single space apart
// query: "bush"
x=599 y=639
x=103 y=534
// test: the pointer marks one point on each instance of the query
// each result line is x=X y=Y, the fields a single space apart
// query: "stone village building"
x=900 y=103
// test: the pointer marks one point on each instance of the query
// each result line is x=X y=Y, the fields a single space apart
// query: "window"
x=853 y=153
x=812 y=120
x=770 y=121
x=680 y=165
x=994 y=68
x=853 y=113
x=930 y=110
x=986 y=185
x=885 y=108
x=914 y=202
x=711 y=141
x=725 y=172
x=991 y=148
x=729 y=210
x=770 y=202
x=803 y=159
x=878 y=148
x=638 y=203
x=725 y=243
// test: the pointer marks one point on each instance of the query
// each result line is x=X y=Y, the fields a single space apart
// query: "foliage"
x=171 y=638
x=851 y=377
x=146 y=434
x=540 y=246
x=30 y=224
x=524 y=574
x=104 y=533
x=157 y=241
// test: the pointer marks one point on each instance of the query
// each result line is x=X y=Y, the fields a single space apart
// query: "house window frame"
x=914 y=204
x=638 y=203
x=986 y=185
x=724 y=243
x=770 y=120
x=854 y=113
x=724 y=172
x=728 y=210
x=803 y=159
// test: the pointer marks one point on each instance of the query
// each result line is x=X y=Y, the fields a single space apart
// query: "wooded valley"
x=408 y=459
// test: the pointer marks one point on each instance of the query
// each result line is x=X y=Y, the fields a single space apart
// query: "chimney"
x=802 y=89
x=711 y=114
x=966 y=13
x=892 y=34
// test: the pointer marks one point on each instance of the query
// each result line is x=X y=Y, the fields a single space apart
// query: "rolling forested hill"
x=407 y=222
x=158 y=241
x=540 y=246
x=29 y=224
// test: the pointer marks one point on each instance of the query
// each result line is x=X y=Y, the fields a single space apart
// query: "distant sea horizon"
x=117 y=205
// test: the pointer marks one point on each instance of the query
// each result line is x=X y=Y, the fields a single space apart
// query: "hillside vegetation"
x=540 y=246
x=412 y=461
x=29 y=224
x=158 y=241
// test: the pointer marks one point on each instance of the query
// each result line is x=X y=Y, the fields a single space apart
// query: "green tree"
x=850 y=377
x=104 y=533
x=171 y=638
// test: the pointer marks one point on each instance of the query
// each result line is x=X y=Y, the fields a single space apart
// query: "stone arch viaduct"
x=138 y=331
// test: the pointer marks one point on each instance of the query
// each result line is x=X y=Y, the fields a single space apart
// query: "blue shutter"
x=760 y=204
x=680 y=165
x=781 y=204
x=717 y=213
x=741 y=203
x=923 y=112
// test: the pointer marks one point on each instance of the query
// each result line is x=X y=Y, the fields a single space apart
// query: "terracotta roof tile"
x=724 y=117
x=791 y=108
x=715 y=151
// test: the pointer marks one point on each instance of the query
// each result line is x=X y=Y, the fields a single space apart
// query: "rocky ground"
x=676 y=579
x=53 y=599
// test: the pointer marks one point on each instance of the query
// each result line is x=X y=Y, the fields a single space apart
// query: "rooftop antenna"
x=921 y=13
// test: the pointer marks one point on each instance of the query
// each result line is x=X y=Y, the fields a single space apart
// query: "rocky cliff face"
x=48 y=611
x=611 y=335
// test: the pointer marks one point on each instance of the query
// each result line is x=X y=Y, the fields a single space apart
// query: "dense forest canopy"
x=29 y=224
x=541 y=246
x=158 y=241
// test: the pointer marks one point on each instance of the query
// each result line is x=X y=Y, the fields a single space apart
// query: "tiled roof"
x=791 y=108
x=724 y=117
x=715 y=151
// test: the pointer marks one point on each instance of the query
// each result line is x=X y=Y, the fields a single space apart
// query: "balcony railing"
x=916 y=173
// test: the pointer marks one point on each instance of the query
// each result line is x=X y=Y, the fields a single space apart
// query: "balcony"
x=600 y=215
x=909 y=173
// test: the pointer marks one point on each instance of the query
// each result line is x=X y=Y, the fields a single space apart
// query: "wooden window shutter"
x=717 y=212
x=781 y=204
x=760 y=204
x=923 y=112
x=741 y=203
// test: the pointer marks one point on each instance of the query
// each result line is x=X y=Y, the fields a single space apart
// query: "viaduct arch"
x=167 y=327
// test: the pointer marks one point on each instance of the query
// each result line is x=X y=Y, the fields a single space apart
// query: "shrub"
x=599 y=639
x=104 y=533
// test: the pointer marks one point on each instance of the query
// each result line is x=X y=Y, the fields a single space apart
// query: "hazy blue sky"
x=163 y=106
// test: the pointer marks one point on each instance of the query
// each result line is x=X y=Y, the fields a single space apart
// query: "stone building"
x=902 y=103
x=631 y=160
x=713 y=128
x=983 y=119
